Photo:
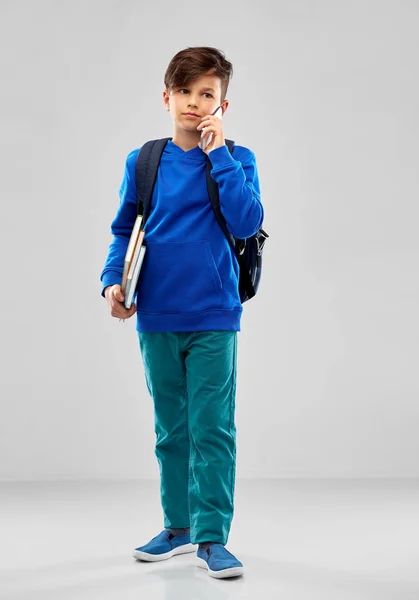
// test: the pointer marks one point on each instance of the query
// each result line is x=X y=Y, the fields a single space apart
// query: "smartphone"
x=205 y=140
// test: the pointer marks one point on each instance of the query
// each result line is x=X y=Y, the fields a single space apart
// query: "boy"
x=188 y=309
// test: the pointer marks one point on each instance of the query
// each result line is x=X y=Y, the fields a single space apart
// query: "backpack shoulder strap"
x=146 y=168
x=215 y=198
x=236 y=244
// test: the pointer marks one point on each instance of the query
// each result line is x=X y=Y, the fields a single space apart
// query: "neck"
x=186 y=139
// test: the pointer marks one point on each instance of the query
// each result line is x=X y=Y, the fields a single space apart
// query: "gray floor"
x=297 y=539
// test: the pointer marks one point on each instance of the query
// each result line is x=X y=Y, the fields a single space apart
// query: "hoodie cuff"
x=110 y=278
x=221 y=157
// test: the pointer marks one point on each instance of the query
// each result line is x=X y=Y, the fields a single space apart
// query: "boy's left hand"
x=214 y=124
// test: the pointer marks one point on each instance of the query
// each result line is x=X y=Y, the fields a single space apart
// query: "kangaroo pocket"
x=179 y=277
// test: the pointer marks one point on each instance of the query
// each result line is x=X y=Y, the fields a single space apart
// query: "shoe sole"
x=232 y=572
x=184 y=549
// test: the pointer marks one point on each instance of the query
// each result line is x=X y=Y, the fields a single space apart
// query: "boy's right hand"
x=115 y=298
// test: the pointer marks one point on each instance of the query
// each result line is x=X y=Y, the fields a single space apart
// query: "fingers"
x=118 y=310
x=128 y=313
x=122 y=313
x=209 y=130
x=117 y=293
x=207 y=122
x=117 y=306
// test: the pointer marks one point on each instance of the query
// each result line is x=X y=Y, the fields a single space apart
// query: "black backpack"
x=248 y=251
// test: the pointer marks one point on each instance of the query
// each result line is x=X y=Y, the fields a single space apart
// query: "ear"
x=225 y=106
x=166 y=100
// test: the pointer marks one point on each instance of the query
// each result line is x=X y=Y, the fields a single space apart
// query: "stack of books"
x=133 y=260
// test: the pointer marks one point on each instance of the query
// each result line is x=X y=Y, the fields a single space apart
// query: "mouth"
x=191 y=115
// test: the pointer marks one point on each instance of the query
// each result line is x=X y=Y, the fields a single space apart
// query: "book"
x=133 y=260
x=130 y=251
x=134 y=274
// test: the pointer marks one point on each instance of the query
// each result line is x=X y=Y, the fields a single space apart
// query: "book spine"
x=130 y=250
x=135 y=276
x=138 y=246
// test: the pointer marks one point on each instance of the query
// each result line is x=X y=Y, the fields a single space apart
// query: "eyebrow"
x=205 y=88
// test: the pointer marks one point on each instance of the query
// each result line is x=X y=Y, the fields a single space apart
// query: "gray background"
x=326 y=94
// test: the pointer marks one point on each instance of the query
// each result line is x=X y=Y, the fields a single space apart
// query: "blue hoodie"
x=189 y=277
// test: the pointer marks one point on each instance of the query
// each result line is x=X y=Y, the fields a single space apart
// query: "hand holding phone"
x=207 y=140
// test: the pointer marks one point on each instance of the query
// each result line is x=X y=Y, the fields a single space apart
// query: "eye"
x=181 y=90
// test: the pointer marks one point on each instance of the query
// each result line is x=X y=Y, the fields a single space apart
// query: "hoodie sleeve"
x=121 y=226
x=238 y=186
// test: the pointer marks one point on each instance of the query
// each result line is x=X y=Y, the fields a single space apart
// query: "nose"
x=192 y=102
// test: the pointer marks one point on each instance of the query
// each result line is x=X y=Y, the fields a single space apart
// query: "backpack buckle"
x=241 y=244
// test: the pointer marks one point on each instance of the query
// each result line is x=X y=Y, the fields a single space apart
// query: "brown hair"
x=193 y=62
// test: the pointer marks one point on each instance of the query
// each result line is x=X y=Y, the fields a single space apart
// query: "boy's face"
x=202 y=97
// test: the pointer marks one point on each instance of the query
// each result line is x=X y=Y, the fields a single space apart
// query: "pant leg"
x=165 y=374
x=211 y=366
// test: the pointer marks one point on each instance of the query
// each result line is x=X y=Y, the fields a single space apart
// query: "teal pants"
x=191 y=377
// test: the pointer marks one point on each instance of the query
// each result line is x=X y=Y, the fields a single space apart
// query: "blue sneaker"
x=219 y=562
x=164 y=546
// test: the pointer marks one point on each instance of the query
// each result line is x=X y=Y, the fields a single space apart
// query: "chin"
x=190 y=127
